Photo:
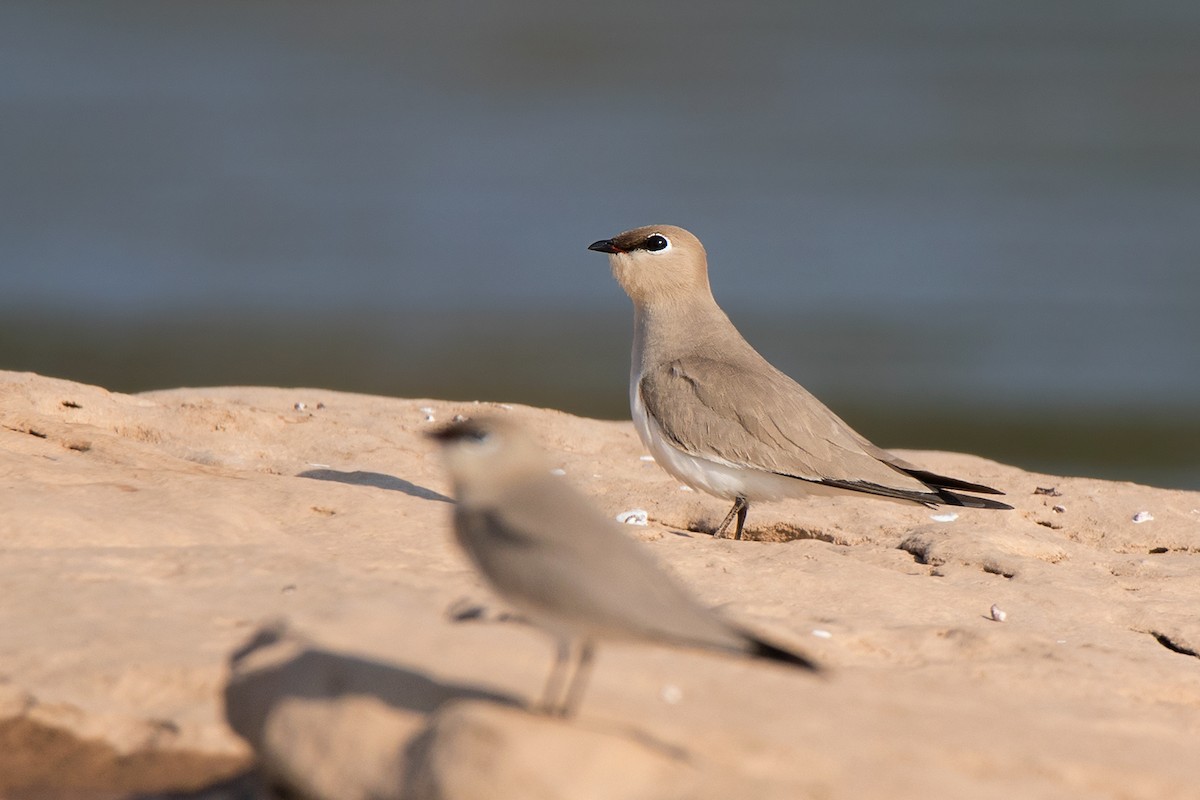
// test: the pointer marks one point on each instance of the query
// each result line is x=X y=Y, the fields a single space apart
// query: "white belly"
x=718 y=478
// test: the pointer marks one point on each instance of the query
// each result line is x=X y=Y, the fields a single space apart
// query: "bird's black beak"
x=605 y=246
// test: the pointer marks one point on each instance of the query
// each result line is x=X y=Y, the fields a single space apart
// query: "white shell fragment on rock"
x=634 y=516
x=949 y=516
x=558 y=471
x=647 y=458
x=821 y=633
x=1142 y=516
x=998 y=613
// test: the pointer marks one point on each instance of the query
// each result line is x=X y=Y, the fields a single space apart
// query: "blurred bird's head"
x=484 y=455
x=657 y=263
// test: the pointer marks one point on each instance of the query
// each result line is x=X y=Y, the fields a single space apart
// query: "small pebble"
x=1049 y=491
x=558 y=471
x=686 y=489
x=949 y=516
x=429 y=417
x=998 y=614
x=636 y=516
x=821 y=633
x=1142 y=516
x=320 y=406
x=1059 y=509
x=647 y=458
x=299 y=406
x=672 y=694
x=425 y=410
x=459 y=418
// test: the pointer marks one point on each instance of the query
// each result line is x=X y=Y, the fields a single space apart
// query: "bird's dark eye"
x=655 y=243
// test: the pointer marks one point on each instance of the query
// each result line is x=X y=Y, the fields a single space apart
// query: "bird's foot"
x=740 y=506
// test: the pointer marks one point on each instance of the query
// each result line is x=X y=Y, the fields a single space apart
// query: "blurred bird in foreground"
x=563 y=564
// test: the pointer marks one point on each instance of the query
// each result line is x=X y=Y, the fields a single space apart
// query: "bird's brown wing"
x=759 y=418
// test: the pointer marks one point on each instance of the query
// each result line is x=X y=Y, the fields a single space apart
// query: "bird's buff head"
x=657 y=264
x=485 y=455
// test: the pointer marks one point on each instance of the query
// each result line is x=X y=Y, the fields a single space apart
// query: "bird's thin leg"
x=582 y=671
x=737 y=534
x=740 y=507
x=558 y=674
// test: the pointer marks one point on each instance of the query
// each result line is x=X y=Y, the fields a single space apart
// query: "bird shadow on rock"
x=376 y=724
x=296 y=670
x=247 y=785
x=378 y=480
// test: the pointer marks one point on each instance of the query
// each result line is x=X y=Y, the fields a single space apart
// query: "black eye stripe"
x=656 y=242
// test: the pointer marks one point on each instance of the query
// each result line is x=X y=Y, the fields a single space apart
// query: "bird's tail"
x=967 y=501
x=946 y=482
x=942 y=484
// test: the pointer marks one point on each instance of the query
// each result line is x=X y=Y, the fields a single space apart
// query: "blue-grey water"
x=968 y=226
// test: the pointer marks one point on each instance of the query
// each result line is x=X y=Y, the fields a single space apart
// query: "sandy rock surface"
x=144 y=540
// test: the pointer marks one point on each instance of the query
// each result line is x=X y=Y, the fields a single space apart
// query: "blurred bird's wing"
x=548 y=551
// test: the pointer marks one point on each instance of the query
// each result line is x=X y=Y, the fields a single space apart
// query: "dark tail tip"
x=936 y=481
x=966 y=501
x=761 y=649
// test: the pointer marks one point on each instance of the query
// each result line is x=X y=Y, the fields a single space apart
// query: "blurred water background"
x=963 y=225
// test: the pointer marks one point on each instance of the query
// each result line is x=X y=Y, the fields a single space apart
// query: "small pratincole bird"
x=566 y=566
x=716 y=415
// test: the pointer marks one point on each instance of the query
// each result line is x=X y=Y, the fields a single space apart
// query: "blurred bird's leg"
x=740 y=506
x=572 y=664
x=583 y=669
x=557 y=679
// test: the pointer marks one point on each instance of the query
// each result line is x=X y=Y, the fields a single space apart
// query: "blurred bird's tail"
x=760 y=649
